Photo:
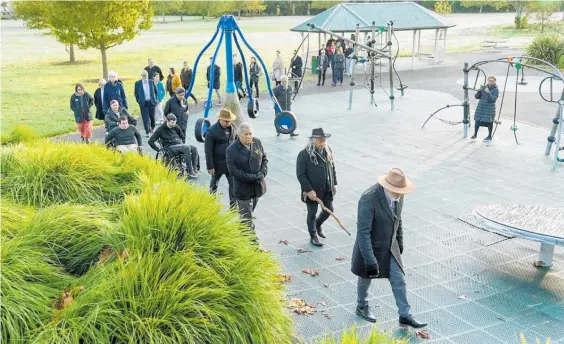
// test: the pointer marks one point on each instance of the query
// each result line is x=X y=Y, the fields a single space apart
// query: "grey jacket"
x=379 y=235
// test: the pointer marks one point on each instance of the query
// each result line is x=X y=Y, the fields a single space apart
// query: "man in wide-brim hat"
x=315 y=169
x=218 y=137
x=379 y=243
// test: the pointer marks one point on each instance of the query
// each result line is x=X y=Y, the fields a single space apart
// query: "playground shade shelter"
x=407 y=16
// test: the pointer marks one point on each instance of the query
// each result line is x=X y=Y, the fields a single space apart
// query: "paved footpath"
x=470 y=285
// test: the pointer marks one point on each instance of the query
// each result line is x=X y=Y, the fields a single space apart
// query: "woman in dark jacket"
x=186 y=78
x=99 y=99
x=238 y=75
x=111 y=119
x=254 y=71
x=80 y=104
x=339 y=67
x=485 y=111
x=315 y=169
x=296 y=65
x=113 y=90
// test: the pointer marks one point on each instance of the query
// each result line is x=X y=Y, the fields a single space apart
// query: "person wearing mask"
x=172 y=81
x=296 y=65
x=99 y=99
x=254 y=71
x=322 y=65
x=145 y=95
x=172 y=138
x=111 y=119
x=178 y=106
x=238 y=75
x=218 y=137
x=379 y=243
x=283 y=94
x=159 y=115
x=485 y=111
x=113 y=90
x=186 y=78
x=152 y=68
x=80 y=103
x=338 y=67
x=216 y=75
x=126 y=137
x=277 y=68
x=247 y=163
x=315 y=169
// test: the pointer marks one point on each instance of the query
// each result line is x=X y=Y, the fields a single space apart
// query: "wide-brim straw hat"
x=396 y=181
x=226 y=115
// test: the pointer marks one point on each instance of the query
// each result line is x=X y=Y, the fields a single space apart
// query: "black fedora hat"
x=318 y=133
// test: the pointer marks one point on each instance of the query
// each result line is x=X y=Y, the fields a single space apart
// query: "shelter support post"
x=466 y=104
x=318 y=42
x=445 y=41
x=303 y=47
x=372 y=63
x=413 y=49
x=545 y=255
x=436 y=44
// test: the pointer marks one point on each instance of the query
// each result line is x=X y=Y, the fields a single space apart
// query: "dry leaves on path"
x=285 y=242
x=423 y=334
x=283 y=278
x=340 y=258
x=311 y=272
x=300 y=307
x=303 y=250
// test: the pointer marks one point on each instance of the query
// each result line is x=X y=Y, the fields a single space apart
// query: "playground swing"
x=227 y=28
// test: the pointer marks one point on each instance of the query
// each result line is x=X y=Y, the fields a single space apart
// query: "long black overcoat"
x=216 y=143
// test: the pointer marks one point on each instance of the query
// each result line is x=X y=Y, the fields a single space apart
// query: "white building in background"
x=6 y=8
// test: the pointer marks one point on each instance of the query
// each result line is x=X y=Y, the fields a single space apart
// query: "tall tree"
x=443 y=7
x=323 y=5
x=40 y=15
x=542 y=10
x=103 y=24
x=495 y=4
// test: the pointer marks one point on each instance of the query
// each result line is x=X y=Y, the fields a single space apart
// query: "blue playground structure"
x=228 y=30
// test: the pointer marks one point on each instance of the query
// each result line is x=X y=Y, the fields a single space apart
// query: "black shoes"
x=315 y=240
x=319 y=230
x=294 y=135
x=409 y=321
x=473 y=137
x=365 y=313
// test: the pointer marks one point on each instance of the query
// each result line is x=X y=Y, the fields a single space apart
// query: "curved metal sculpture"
x=229 y=31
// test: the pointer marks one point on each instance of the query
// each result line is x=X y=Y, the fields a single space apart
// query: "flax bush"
x=548 y=48
x=153 y=258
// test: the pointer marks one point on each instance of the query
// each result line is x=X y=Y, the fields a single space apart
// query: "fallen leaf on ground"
x=311 y=272
x=539 y=264
x=105 y=254
x=423 y=334
x=463 y=297
x=340 y=258
x=303 y=250
x=326 y=285
x=322 y=303
x=283 y=278
x=263 y=250
x=124 y=254
x=285 y=242
x=299 y=306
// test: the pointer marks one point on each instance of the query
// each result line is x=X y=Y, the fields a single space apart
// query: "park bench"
x=494 y=44
x=532 y=222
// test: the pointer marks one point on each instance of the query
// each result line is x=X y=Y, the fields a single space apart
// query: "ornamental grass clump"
x=20 y=134
x=13 y=217
x=74 y=235
x=30 y=284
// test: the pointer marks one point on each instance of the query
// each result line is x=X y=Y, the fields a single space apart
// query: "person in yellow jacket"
x=172 y=82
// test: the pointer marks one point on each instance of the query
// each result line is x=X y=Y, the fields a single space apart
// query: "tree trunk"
x=239 y=13
x=181 y=17
x=481 y=7
x=72 y=59
x=164 y=20
x=104 y=61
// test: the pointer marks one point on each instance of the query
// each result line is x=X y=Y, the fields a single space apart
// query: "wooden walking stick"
x=327 y=210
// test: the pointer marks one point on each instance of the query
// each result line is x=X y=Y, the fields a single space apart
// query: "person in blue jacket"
x=159 y=114
x=485 y=111
x=145 y=95
x=114 y=90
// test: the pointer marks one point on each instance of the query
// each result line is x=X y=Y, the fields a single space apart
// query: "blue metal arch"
x=208 y=103
x=192 y=82
x=246 y=74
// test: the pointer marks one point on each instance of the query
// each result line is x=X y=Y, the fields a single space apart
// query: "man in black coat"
x=238 y=75
x=215 y=82
x=178 y=106
x=379 y=243
x=247 y=163
x=296 y=65
x=315 y=170
x=152 y=68
x=218 y=137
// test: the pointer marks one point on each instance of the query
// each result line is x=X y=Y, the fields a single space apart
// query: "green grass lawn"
x=37 y=83
x=504 y=31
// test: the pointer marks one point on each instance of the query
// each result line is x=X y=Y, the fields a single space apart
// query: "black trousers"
x=255 y=84
x=148 y=115
x=312 y=219
x=321 y=75
x=477 y=127
x=190 y=154
x=215 y=181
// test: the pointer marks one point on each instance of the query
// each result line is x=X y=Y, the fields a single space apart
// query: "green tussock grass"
x=351 y=336
x=19 y=134
x=178 y=268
